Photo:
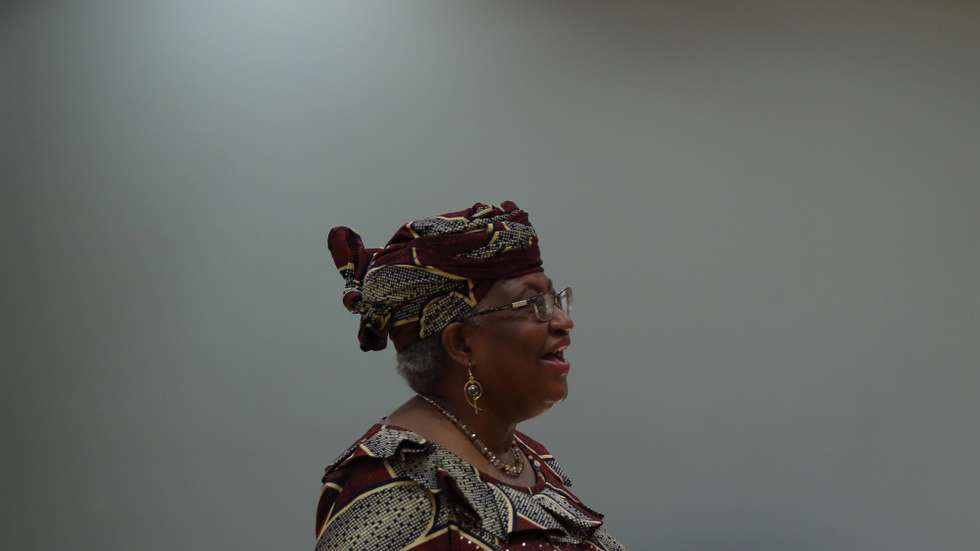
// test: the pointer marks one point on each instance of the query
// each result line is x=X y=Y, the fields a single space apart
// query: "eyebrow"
x=534 y=286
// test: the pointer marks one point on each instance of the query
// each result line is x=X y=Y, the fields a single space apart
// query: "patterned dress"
x=393 y=489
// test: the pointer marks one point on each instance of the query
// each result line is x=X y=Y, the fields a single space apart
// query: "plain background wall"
x=768 y=211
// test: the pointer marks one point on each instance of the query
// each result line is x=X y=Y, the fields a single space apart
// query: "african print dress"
x=393 y=489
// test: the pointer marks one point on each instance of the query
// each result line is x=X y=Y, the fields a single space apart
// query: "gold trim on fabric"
x=391 y=471
x=331 y=486
x=484 y=211
x=470 y=299
x=405 y=321
x=556 y=473
x=542 y=456
x=348 y=266
x=326 y=521
x=429 y=269
x=408 y=225
x=427 y=538
x=367 y=450
x=519 y=439
x=437 y=271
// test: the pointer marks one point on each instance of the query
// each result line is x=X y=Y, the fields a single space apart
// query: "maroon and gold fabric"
x=395 y=490
x=432 y=270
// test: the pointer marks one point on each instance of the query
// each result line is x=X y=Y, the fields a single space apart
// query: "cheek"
x=510 y=368
x=511 y=358
x=517 y=344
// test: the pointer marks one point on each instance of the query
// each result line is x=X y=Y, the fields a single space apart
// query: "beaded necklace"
x=514 y=470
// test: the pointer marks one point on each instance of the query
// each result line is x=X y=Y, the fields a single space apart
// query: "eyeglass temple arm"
x=511 y=306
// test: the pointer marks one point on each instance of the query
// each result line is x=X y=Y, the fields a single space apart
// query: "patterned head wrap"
x=432 y=270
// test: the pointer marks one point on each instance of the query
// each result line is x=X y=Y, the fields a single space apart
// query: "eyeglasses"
x=543 y=305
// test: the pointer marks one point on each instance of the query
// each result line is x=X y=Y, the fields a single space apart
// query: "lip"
x=563 y=343
x=558 y=365
x=554 y=364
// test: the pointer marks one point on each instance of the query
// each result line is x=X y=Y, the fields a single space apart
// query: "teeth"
x=559 y=352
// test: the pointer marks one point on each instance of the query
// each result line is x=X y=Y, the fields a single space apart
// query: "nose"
x=561 y=320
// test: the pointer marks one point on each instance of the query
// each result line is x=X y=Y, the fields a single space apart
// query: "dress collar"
x=496 y=506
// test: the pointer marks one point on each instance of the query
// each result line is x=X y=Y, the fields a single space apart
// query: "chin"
x=559 y=395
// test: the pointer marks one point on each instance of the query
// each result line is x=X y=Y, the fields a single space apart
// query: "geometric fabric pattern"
x=432 y=270
x=394 y=514
x=394 y=489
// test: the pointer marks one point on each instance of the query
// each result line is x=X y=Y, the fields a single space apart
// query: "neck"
x=496 y=432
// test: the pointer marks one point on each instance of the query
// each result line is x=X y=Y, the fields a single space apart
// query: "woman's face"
x=508 y=350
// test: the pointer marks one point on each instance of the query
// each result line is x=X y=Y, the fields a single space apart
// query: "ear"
x=455 y=342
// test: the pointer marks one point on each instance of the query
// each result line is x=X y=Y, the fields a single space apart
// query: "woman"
x=480 y=334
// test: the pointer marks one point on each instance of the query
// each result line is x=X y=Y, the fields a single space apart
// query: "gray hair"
x=422 y=364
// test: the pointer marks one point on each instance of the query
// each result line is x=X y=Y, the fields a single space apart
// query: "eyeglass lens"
x=545 y=308
x=565 y=300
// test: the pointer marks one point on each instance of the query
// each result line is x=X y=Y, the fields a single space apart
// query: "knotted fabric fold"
x=432 y=270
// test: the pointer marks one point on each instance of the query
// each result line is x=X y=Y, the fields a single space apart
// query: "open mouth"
x=555 y=361
x=559 y=355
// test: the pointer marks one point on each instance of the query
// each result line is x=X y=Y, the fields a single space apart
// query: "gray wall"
x=769 y=212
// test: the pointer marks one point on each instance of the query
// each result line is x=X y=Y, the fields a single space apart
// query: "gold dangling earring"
x=472 y=390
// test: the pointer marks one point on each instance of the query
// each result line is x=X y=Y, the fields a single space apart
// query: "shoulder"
x=365 y=504
x=394 y=489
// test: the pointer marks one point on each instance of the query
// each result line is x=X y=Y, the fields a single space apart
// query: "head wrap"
x=431 y=271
